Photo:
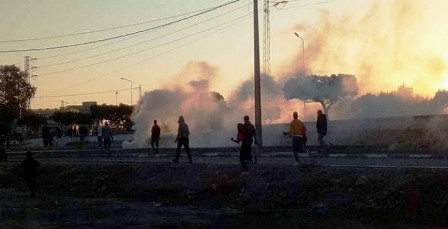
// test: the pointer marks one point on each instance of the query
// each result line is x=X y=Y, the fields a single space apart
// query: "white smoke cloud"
x=211 y=117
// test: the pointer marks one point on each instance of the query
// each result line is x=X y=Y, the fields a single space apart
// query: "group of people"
x=297 y=130
x=105 y=136
x=182 y=139
x=247 y=135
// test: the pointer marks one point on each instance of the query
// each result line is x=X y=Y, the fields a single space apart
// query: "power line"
x=123 y=35
x=129 y=46
x=160 y=54
x=303 y=5
x=81 y=94
x=130 y=54
x=101 y=30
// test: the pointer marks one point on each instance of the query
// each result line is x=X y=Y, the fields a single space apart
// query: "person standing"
x=248 y=136
x=182 y=140
x=30 y=167
x=46 y=135
x=297 y=130
x=321 y=126
x=155 y=136
x=107 y=137
x=99 y=132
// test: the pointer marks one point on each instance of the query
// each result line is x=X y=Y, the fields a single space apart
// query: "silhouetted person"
x=46 y=136
x=3 y=155
x=58 y=132
x=83 y=132
x=107 y=137
x=248 y=135
x=155 y=136
x=298 y=131
x=30 y=167
x=321 y=126
x=99 y=133
x=182 y=140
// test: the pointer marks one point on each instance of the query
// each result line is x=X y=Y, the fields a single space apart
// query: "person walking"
x=247 y=137
x=99 y=133
x=30 y=167
x=155 y=136
x=321 y=126
x=297 y=130
x=182 y=140
x=107 y=137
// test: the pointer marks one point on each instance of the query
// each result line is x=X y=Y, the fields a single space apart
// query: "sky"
x=384 y=43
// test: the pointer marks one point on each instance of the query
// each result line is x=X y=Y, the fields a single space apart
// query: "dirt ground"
x=164 y=195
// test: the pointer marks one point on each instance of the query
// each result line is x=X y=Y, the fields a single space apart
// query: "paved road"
x=231 y=156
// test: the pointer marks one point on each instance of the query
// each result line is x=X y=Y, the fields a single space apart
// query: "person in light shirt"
x=298 y=132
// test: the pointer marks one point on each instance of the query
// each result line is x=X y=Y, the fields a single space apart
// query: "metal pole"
x=131 y=86
x=303 y=68
x=139 y=92
x=303 y=52
x=257 y=76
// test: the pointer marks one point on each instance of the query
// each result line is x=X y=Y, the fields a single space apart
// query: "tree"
x=441 y=99
x=326 y=90
x=15 y=91
x=68 y=118
x=32 y=120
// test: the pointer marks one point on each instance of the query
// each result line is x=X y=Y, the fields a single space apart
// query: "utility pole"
x=266 y=40
x=139 y=92
x=27 y=69
x=257 y=76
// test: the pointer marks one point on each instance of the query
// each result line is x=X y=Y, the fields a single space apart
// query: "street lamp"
x=303 y=67
x=303 y=52
x=131 y=86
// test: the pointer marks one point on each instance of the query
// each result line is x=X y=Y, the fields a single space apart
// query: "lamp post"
x=303 y=52
x=116 y=98
x=303 y=66
x=131 y=86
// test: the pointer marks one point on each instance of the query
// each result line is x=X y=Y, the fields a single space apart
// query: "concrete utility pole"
x=257 y=76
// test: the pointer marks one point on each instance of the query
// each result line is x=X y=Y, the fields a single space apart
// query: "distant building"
x=84 y=108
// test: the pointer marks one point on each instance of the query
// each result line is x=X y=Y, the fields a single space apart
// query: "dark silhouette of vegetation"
x=326 y=90
x=68 y=118
x=15 y=91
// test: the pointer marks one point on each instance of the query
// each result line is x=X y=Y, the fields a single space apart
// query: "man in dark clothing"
x=46 y=135
x=3 y=155
x=321 y=126
x=155 y=135
x=182 y=140
x=248 y=135
x=107 y=137
x=30 y=166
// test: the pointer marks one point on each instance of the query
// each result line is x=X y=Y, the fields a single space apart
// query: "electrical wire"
x=129 y=46
x=82 y=94
x=130 y=54
x=119 y=36
x=101 y=30
x=157 y=55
